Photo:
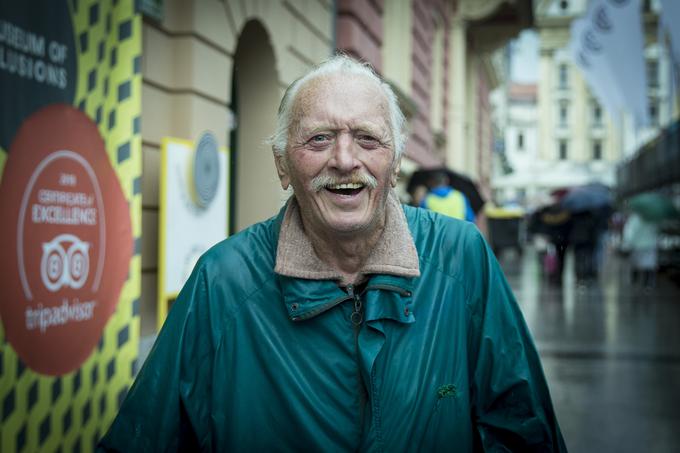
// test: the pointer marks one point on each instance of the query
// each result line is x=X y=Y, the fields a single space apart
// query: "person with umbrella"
x=590 y=207
x=640 y=237
x=554 y=222
x=444 y=199
x=422 y=179
x=640 y=234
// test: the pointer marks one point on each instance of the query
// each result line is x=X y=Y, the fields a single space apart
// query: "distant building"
x=575 y=134
x=516 y=178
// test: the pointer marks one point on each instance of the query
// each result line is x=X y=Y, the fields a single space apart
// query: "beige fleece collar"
x=394 y=254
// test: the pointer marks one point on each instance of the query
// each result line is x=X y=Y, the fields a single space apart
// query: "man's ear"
x=395 y=172
x=282 y=170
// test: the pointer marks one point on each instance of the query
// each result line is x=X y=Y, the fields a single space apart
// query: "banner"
x=668 y=22
x=670 y=18
x=608 y=45
x=70 y=204
x=596 y=70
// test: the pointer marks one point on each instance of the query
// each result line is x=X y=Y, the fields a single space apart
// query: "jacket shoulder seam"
x=455 y=277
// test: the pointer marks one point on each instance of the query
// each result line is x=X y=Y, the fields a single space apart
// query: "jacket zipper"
x=357 y=318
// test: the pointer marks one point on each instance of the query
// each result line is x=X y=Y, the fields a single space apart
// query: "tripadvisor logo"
x=68 y=227
x=60 y=267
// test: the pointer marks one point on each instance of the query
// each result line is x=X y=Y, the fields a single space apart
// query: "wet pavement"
x=610 y=351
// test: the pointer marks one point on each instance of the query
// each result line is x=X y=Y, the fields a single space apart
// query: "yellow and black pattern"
x=71 y=412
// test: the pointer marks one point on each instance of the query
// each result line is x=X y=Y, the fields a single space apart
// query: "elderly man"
x=347 y=322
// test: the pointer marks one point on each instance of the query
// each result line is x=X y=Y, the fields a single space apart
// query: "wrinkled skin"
x=341 y=133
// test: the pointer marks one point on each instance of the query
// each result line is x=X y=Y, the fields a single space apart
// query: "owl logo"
x=64 y=267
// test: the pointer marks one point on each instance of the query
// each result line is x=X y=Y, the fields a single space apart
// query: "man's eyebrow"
x=363 y=127
x=378 y=133
x=318 y=128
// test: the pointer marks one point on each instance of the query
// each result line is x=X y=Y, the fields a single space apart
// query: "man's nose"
x=344 y=153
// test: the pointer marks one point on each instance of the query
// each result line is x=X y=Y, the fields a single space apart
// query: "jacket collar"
x=394 y=254
x=310 y=287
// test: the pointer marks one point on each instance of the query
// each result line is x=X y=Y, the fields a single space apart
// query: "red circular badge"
x=65 y=240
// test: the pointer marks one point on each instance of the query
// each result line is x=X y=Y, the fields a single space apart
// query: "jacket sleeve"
x=511 y=404
x=166 y=407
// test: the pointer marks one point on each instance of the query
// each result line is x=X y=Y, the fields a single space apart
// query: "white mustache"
x=323 y=181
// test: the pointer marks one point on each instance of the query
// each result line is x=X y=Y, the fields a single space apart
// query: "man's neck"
x=345 y=252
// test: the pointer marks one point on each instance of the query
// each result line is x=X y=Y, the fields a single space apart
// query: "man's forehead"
x=329 y=92
x=328 y=82
x=373 y=124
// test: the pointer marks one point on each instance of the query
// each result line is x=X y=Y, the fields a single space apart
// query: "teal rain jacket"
x=249 y=360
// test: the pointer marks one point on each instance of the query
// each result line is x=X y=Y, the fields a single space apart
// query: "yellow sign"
x=194 y=215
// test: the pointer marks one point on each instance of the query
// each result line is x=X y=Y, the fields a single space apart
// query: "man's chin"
x=344 y=224
x=349 y=224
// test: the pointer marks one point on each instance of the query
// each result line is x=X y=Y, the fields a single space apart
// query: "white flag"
x=595 y=68
x=670 y=17
x=612 y=37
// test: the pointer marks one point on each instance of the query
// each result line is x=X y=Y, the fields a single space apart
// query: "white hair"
x=336 y=65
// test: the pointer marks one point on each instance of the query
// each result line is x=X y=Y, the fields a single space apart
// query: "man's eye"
x=320 y=139
x=367 y=140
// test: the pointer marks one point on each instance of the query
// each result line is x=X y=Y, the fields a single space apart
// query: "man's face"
x=340 y=154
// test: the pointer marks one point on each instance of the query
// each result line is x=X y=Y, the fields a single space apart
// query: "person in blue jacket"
x=444 y=199
x=347 y=322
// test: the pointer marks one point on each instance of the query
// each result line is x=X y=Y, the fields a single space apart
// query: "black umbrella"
x=591 y=197
x=457 y=181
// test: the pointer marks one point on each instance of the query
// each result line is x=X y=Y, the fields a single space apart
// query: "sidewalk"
x=611 y=354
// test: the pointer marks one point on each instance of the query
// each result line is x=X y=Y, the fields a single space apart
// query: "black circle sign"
x=38 y=60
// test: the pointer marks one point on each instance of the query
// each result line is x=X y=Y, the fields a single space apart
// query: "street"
x=610 y=353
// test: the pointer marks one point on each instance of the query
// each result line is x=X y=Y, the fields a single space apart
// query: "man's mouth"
x=351 y=188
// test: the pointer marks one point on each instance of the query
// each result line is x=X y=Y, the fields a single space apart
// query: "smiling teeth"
x=346 y=186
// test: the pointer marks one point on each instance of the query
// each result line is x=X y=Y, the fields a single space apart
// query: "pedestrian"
x=555 y=223
x=444 y=199
x=418 y=195
x=640 y=239
x=583 y=237
x=348 y=321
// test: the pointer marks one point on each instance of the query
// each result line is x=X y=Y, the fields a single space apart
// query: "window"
x=647 y=6
x=564 y=114
x=562 y=146
x=437 y=74
x=521 y=195
x=520 y=140
x=653 y=73
x=563 y=76
x=653 y=112
x=597 y=114
x=597 y=150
